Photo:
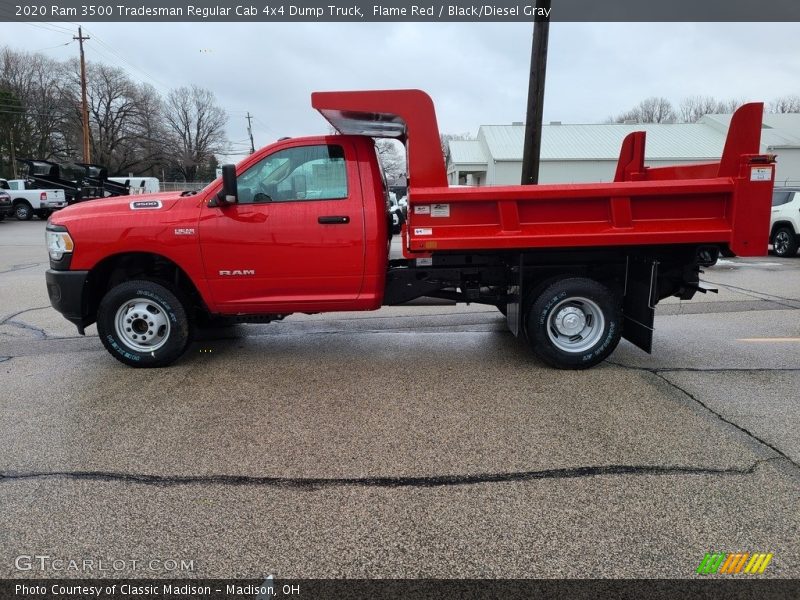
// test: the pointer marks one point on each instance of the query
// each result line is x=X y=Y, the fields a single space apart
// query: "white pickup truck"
x=27 y=203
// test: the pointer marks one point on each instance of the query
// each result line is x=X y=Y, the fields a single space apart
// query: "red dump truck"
x=302 y=226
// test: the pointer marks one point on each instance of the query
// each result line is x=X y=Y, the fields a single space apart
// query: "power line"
x=264 y=125
x=111 y=50
x=53 y=47
x=44 y=26
x=35 y=114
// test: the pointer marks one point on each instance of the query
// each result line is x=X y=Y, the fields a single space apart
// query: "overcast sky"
x=476 y=73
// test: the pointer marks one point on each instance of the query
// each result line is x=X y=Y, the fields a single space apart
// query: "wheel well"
x=140 y=265
x=611 y=275
x=16 y=201
x=778 y=225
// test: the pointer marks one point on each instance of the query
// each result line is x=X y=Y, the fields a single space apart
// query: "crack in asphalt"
x=7 y=318
x=656 y=370
x=41 y=333
x=315 y=483
x=660 y=374
x=758 y=295
x=21 y=266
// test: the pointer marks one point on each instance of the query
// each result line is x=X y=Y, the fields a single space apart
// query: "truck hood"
x=145 y=204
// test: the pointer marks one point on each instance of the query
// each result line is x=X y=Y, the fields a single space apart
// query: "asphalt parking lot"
x=409 y=442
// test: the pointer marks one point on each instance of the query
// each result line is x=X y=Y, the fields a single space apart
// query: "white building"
x=585 y=153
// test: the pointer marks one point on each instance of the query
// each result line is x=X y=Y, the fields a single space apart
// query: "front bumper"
x=68 y=295
x=6 y=209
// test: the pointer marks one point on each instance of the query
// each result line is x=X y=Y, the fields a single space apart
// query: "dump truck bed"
x=725 y=203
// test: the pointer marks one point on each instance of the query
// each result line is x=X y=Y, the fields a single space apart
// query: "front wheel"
x=143 y=324
x=784 y=242
x=574 y=323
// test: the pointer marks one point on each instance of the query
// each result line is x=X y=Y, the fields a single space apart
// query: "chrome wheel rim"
x=575 y=325
x=142 y=325
x=782 y=242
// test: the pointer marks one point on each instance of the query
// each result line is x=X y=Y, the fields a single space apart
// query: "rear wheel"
x=143 y=324
x=574 y=323
x=23 y=211
x=784 y=242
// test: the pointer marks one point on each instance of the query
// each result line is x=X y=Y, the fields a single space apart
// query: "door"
x=295 y=239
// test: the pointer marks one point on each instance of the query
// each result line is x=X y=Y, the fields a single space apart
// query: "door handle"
x=334 y=220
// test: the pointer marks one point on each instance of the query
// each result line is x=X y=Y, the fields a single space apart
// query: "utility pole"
x=250 y=133
x=533 y=120
x=87 y=158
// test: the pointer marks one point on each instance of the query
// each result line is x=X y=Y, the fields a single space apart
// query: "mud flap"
x=639 y=304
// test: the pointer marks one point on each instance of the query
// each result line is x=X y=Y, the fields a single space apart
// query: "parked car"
x=6 y=209
x=396 y=212
x=785 y=223
x=29 y=202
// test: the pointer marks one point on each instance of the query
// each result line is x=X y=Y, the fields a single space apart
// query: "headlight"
x=59 y=242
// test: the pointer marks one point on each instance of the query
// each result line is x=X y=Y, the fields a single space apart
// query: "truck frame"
x=574 y=267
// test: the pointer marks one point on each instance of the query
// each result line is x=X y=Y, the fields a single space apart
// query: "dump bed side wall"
x=563 y=216
x=725 y=203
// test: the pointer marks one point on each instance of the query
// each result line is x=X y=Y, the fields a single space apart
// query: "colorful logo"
x=727 y=563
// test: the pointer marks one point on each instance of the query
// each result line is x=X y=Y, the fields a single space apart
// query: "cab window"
x=296 y=174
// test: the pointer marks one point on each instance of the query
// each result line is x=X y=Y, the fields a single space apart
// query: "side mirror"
x=229 y=193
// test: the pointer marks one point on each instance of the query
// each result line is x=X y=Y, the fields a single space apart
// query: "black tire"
x=574 y=323
x=396 y=229
x=784 y=242
x=2 y=216
x=149 y=304
x=23 y=211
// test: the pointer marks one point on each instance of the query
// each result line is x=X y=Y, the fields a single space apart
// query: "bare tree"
x=11 y=114
x=785 y=104
x=657 y=110
x=391 y=157
x=732 y=105
x=112 y=109
x=650 y=110
x=694 y=108
x=153 y=134
x=197 y=128
x=37 y=83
